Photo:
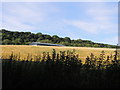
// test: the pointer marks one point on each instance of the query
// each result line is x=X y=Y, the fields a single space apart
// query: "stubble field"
x=24 y=50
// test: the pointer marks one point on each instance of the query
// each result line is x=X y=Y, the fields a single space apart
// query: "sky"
x=95 y=21
x=60 y=0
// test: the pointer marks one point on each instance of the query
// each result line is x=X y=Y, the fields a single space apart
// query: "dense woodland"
x=25 y=38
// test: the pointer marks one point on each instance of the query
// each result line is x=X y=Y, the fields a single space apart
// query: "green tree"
x=7 y=42
x=88 y=45
x=17 y=41
x=23 y=38
x=46 y=41
x=65 y=43
x=96 y=45
x=55 y=39
x=67 y=39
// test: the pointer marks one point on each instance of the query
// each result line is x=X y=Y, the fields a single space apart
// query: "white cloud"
x=102 y=12
x=21 y=16
x=111 y=40
x=100 y=21
x=86 y=26
x=27 y=16
x=11 y=23
x=94 y=27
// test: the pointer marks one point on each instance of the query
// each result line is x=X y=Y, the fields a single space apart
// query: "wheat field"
x=24 y=50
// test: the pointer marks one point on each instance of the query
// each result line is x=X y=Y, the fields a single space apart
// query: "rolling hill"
x=25 y=38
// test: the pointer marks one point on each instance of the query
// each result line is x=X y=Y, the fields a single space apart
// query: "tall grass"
x=61 y=70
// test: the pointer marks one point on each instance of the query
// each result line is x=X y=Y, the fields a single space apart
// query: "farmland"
x=62 y=69
x=24 y=50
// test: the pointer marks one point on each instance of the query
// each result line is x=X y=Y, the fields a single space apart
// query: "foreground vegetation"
x=62 y=70
x=25 y=38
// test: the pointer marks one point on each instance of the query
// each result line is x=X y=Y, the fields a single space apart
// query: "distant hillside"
x=24 y=38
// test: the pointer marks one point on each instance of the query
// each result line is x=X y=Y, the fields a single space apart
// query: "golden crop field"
x=24 y=50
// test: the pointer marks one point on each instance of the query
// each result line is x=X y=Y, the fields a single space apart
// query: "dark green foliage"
x=24 y=38
x=61 y=70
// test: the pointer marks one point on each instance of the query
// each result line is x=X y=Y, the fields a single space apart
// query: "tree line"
x=25 y=38
x=61 y=70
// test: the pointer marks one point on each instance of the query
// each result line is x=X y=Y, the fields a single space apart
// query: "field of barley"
x=24 y=50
